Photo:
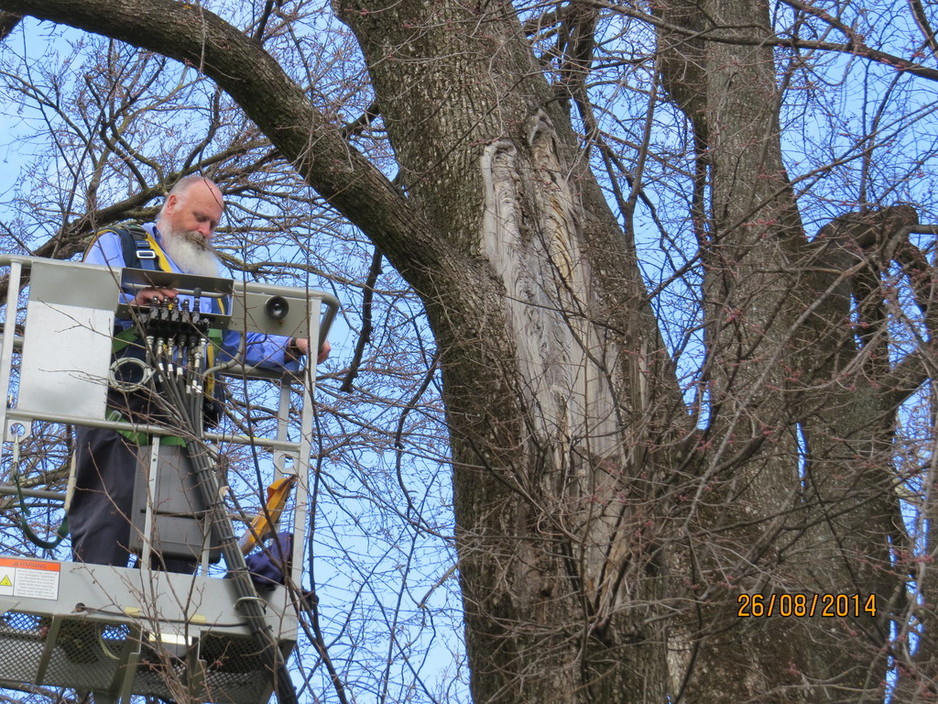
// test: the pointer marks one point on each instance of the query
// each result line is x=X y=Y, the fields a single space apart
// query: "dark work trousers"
x=99 y=514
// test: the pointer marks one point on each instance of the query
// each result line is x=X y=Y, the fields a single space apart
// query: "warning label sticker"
x=29 y=578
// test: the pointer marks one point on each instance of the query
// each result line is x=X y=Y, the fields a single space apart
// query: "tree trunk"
x=550 y=374
x=799 y=498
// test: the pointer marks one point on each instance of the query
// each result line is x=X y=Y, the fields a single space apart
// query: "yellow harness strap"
x=161 y=257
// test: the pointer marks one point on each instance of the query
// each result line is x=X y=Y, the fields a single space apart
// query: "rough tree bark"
x=553 y=371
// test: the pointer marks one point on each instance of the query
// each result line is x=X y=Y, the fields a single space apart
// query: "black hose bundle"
x=177 y=341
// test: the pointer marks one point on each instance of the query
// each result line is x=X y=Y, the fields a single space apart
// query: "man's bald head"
x=194 y=205
x=186 y=183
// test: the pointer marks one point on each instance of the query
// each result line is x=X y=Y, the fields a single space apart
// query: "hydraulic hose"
x=176 y=341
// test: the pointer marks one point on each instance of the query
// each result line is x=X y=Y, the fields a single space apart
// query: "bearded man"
x=179 y=241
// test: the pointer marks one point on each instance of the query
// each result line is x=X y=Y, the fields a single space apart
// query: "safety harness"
x=140 y=249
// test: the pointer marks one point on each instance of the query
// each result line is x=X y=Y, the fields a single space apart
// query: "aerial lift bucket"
x=118 y=631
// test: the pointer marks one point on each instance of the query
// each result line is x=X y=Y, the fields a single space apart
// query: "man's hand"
x=323 y=352
x=153 y=296
x=301 y=345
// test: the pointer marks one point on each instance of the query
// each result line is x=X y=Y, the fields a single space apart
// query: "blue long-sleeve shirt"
x=260 y=350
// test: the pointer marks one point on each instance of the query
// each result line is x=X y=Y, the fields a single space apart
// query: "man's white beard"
x=191 y=252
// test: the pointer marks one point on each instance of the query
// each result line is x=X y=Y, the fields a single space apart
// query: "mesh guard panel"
x=86 y=654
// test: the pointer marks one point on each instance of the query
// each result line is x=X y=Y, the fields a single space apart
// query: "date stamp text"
x=805 y=605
